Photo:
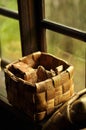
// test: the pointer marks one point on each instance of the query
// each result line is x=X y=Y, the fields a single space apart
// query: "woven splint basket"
x=38 y=95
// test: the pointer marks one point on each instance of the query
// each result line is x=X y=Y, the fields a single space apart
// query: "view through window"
x=69 y=13
x=9 y=33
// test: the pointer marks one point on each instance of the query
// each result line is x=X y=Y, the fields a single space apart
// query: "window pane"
x=10 y=4
x=10 y=38
x=67 y=12
x=70 y=50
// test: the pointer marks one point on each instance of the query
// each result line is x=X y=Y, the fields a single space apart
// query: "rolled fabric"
x=70 y=116
x=78 y=112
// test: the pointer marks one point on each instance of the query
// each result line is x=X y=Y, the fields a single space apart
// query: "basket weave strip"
x=44 y=85
x=67 y=85
x=40 y=98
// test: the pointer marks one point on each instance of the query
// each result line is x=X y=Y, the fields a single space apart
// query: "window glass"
x=70 y=13
x=10 y=47
x=10 y=38
x=10 y=4
x=67 y=12
x=70 y=50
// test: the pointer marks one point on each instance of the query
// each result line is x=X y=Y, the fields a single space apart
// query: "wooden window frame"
x=40 y=24
x=33 y=25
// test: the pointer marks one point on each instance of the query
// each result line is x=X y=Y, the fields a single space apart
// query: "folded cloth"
x=70 y=116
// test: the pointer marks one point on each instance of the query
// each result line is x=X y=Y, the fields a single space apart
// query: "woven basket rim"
x=6 y=70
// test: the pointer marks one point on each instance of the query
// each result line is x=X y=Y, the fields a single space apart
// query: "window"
x=9 y=30
x=66 y=34
x=42 y=28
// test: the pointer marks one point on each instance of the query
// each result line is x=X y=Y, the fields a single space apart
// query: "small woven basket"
x=38 y=99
